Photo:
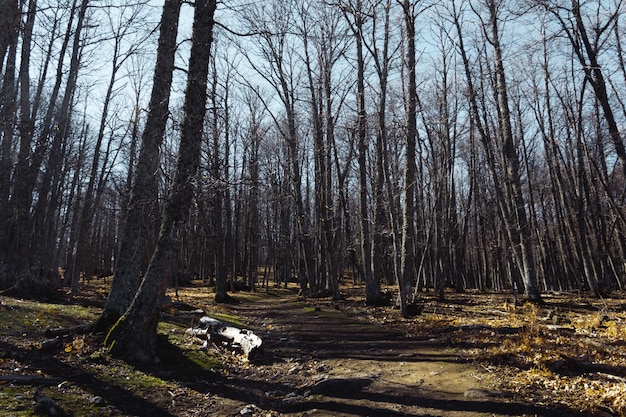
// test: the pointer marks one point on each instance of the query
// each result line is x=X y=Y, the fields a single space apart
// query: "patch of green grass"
x=181 y=341
x=15 y=401
x=203 y=360
x=228 y=318
x=76 y=402
x=18 y=401
x=169 y=328
x=20 y=316
x=23 y=322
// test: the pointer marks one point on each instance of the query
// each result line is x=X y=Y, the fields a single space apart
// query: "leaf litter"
x=567 y=354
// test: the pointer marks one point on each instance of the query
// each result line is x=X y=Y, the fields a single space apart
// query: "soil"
x=404 y=375
x=459 y=358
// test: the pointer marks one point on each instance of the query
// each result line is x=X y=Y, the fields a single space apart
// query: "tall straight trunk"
x=132 y=156
x=70 y=223
x=81 y=251
x=29 y=158
x=565 y=245
x=134 y=335
x=482 y=269
x=253 y=212
x=408 y=271
x=9 y=21
x=26 y=225
x=518 y=227
x=302 y=226
x=9 y=26
x=595 y=76
x=329 y=220
x=305 y=240
x=320 y=88
x=344 y=209
x=219 y=202
x=319 y=161
x=372 y=286
x=27 y=123
x=126 y=276
x=380 y=264
x=582 y=207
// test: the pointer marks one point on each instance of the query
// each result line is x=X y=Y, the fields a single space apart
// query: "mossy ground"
x=78 y=373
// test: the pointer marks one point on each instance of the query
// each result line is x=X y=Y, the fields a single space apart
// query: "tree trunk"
x=81 y=251
x=9 y=28
x=380 y=264
x=219 y=201
x=134 y=335
x=372 y=285
x=408 y=271
x=518 y=227
x=126 y=276
x=593 y=72
x=27 y=225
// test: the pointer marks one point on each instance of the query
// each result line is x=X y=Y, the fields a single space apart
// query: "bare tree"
x=9 y=27
x=324 y=44
x=407 y=264
x=512 y=205
x=587 y=46
x=30 y=277
x=134 y=335
x=127 y=273
x=356 y=14
x=278 y=67
x=220 y=212
x=383 y=56
x=120 y=31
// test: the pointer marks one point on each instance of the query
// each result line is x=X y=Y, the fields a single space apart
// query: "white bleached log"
x=214 y=331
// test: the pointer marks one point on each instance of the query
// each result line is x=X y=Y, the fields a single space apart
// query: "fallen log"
x=577 y=366
x=218 y=333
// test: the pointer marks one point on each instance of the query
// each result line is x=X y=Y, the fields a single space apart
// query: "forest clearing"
x=471 y=355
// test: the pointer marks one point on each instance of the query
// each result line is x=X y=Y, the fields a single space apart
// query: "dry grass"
x=570 y=350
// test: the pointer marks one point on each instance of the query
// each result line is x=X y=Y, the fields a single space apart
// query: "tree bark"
x=9 y=26
x=92 y=194
x=219 y=201
x=518 y=227
x=372 y=284
x=25 y=225
x=134 y=335
x=408 y=272
x=127 y=273
x=380 y=261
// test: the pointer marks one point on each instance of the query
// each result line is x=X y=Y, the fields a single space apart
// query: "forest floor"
x=470 y=355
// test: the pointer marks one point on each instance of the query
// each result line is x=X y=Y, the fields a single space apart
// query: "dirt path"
x=325 y=359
